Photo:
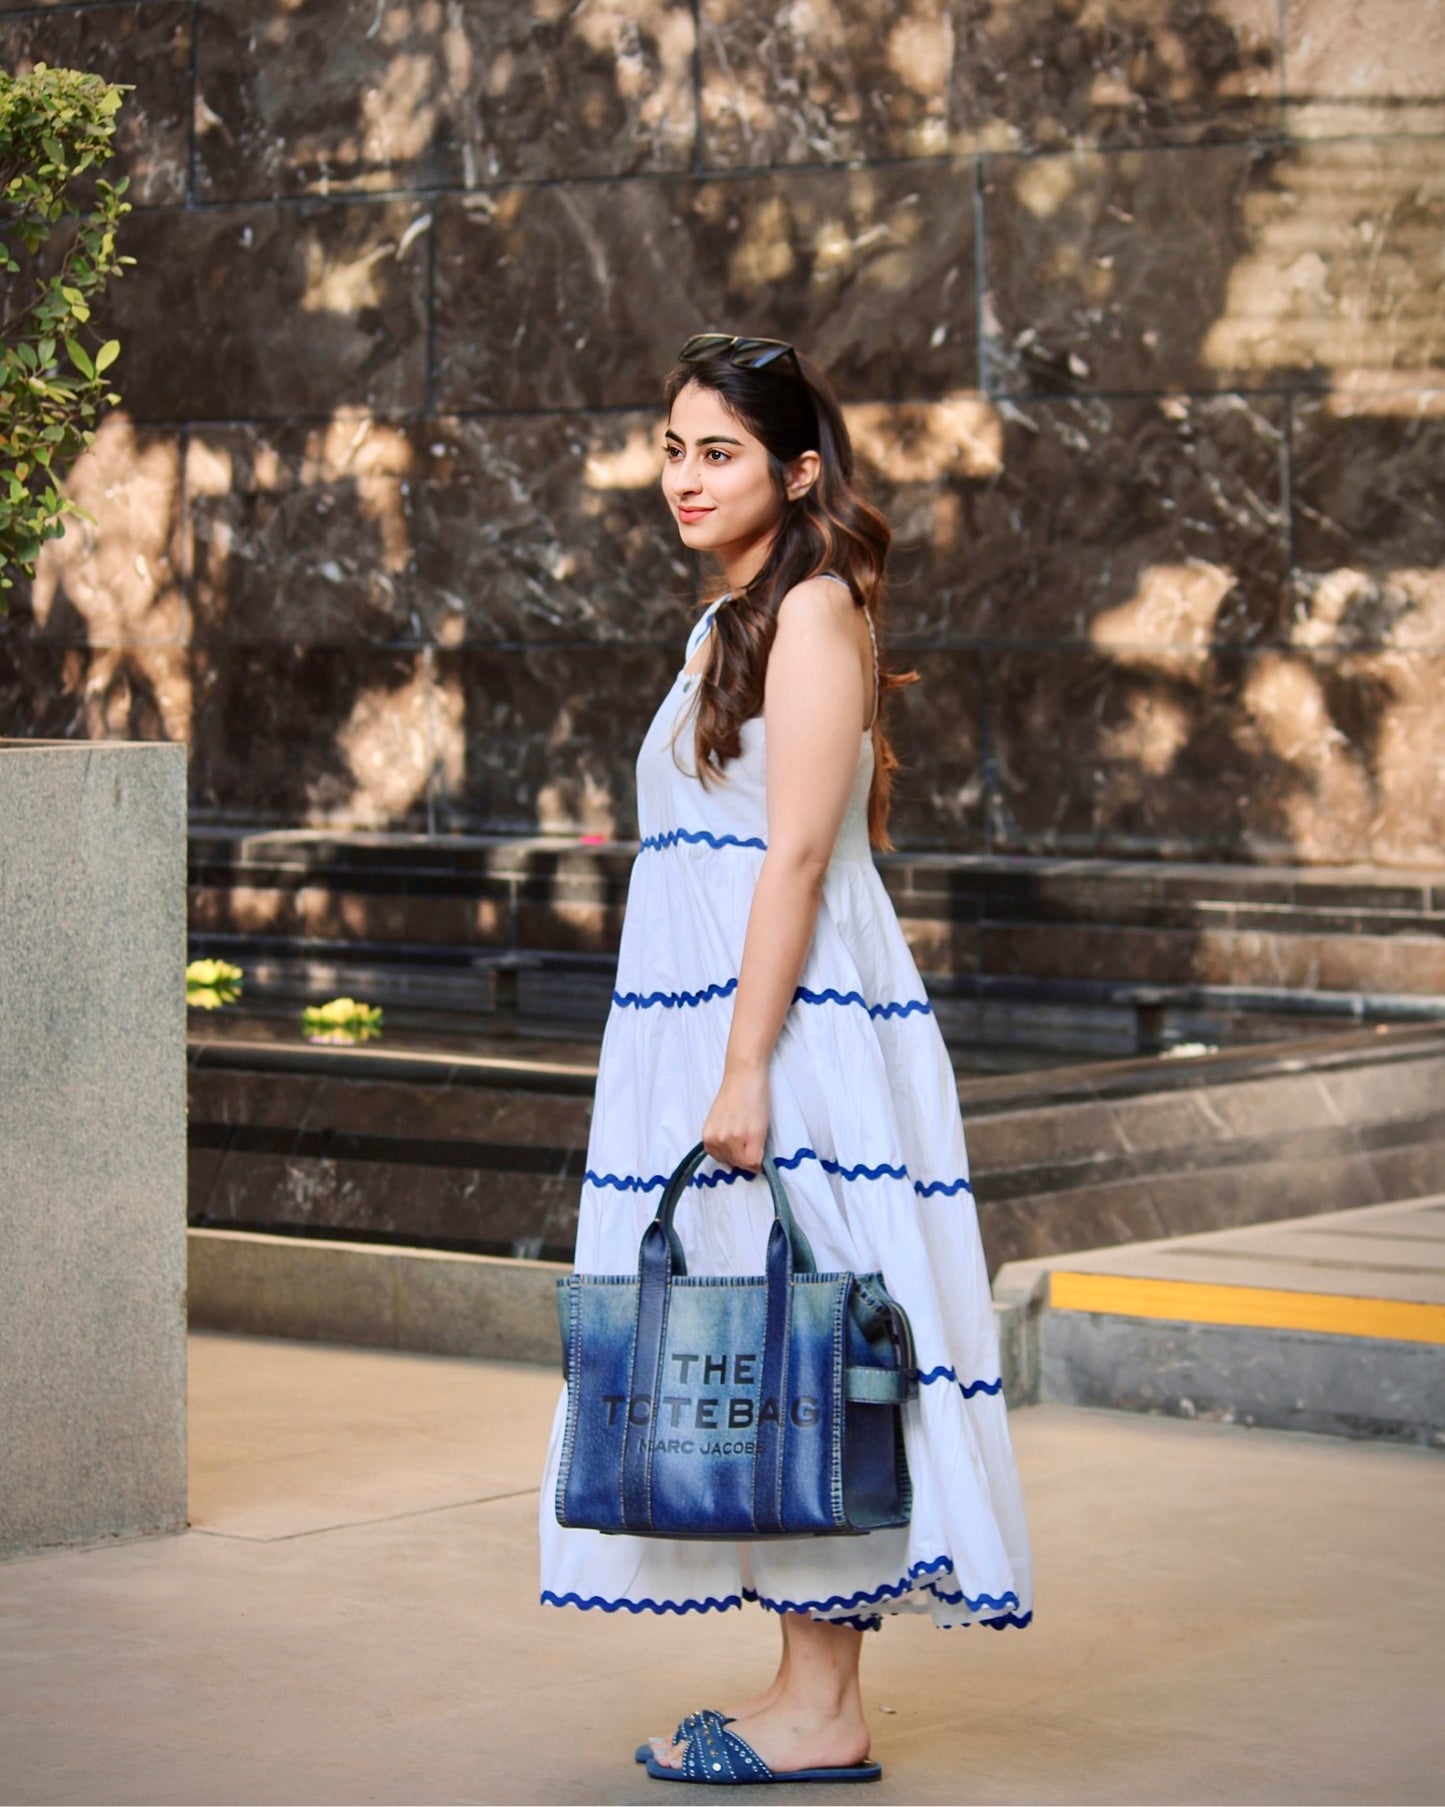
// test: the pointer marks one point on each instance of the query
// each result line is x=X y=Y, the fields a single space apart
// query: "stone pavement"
x=1223 y=1615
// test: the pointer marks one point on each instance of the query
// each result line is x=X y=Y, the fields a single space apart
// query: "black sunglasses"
x=751 y=354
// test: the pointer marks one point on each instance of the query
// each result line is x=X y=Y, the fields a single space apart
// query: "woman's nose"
x=683 y=479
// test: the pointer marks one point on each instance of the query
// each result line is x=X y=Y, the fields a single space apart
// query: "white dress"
x=867 y=1136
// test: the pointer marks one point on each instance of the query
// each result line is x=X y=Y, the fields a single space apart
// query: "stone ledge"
x=373 y=1296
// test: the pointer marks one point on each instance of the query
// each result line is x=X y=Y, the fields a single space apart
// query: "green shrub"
x=58 y=220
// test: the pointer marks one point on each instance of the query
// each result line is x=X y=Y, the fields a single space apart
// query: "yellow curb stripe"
x=1196 y=1302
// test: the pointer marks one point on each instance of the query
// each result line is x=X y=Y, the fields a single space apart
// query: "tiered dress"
x=866 y=1132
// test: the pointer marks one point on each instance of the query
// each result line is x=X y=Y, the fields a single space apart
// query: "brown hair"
x=830 y=528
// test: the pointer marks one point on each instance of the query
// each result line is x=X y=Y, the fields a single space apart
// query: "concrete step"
x=1333 y=1323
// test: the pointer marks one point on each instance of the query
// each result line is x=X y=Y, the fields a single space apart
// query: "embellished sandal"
x=714 y=1754
x=686 y=1727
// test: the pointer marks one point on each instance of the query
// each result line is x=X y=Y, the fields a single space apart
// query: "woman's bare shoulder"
x=817 y=605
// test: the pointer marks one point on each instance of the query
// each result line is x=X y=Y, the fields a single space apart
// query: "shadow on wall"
x=1168 y=551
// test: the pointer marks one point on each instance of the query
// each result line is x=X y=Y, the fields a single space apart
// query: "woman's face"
x=715 y=477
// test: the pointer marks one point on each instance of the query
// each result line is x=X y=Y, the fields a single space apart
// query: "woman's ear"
x=803 y=474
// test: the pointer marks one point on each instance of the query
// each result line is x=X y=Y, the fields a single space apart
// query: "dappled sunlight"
x=1329 y=809
x=1403 y=606
x=919 y=50
x=386 y=745
x=1155 y=734
x=928 y=442
x=764 y=253
x=1047 y=184
x=118 y=572
x=134 y=692
x=1342 y=269
x=399 y=115
x=635 y=464
x=1172 y=606
x=378 y=460
x=582 y=800
x=334 y=286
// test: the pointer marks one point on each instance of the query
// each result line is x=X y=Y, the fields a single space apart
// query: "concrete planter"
x=92 y=1142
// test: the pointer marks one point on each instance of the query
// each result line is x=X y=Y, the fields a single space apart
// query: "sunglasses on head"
x=751 y=354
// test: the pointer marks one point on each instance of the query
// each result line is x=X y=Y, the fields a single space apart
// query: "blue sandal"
x=686 y=1727
x=714 y=1754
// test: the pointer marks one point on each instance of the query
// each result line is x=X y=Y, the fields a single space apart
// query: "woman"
x=766 y=998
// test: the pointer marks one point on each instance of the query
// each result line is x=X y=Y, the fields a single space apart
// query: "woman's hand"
x=736 y=1125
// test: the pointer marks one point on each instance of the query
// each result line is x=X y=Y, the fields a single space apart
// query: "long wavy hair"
x=830 y=528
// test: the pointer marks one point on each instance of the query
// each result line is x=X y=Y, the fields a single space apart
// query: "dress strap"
x=868 y=617
x=699 y=627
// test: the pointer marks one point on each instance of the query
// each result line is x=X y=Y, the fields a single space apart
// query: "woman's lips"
x=692 y=514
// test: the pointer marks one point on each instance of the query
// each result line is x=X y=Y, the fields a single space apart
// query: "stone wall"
x=92 y=1144
x=1136 y=306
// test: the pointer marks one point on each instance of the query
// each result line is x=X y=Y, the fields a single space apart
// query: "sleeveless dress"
x=867 y=1135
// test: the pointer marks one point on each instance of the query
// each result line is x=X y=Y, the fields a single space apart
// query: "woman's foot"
x=788 y=1735
x=754 y=1704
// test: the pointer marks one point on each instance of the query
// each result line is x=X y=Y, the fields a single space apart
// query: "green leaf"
x=107 y=355
x=80 y=357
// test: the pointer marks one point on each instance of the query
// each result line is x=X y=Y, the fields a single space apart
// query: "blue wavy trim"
x=672 y=835
x=893 y=1591
x=635 y=1182
x=838 y=1603
x=670 y=999
x=967 y=1388
x=639 y=1000
x=830 y=996
x=597 y=1604
x=948 y=1186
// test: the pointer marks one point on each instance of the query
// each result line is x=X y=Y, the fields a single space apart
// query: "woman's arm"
x=813 y=711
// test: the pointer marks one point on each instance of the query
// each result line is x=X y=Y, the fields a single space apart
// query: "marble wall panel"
x=273 y=311
x=298 y=96
x=543 y=528
x=936 y=728
x=299 y=532
x=1340 y=278
x=1363 y=66
x=823 y=84
x=1310 y=264
x=308 y=735
x=578 y=296
x=1052 y=73
x=56 y=692
x=146 y=46
x=548 y=737
x=459 y=531
x=1369 y=530
x=1159 y=520
x=1387 y=705
x=1110 y=271
x=1279 y=755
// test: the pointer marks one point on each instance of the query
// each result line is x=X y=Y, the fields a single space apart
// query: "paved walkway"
x=1223 y=1615
x=1328 y=1323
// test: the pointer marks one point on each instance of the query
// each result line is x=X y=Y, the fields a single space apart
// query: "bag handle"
x=803 y=1259
x=660 y=1261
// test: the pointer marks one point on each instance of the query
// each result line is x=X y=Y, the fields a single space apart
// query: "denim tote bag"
x=733 y=1407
